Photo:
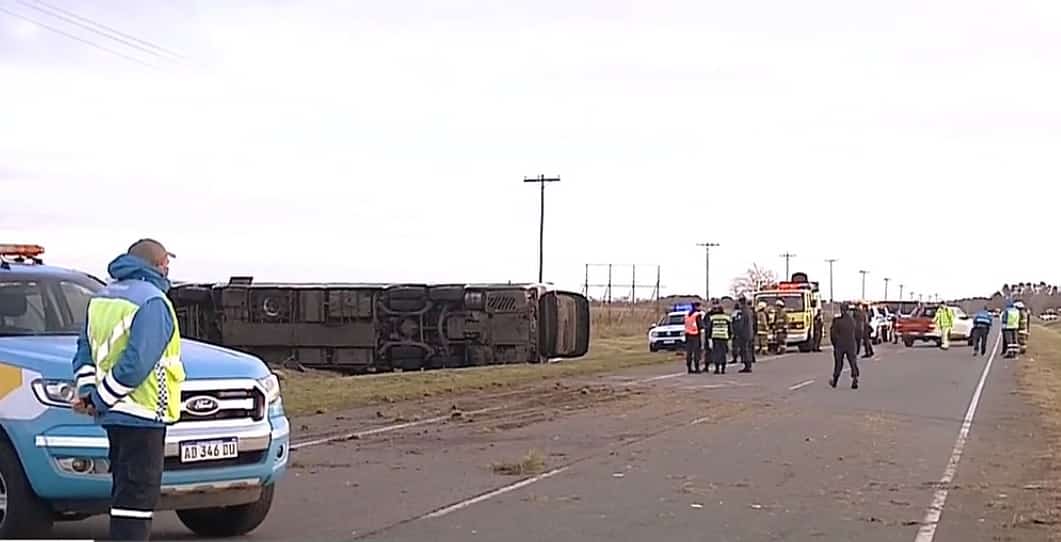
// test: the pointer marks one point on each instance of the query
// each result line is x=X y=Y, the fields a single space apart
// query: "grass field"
x=1039 y=374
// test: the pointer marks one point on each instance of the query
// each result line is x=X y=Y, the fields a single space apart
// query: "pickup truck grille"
x=670 y=334
x=245 y=458
x=222 y=404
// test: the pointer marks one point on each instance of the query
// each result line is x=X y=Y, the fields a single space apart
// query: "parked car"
x=880 y=324
x=963 y=326
x=223 y=458
x=668 y=333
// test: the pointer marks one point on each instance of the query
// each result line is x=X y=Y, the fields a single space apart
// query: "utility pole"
x=831 y=261
x=886 y=281
x=900 y=292
x=787 y=256
x=707 y=269
x=541 y=180
x=864 y=272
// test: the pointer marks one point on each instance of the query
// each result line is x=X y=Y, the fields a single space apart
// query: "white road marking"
x=706 y=387
x=513 y=486
x=385 y=429
x=804 y=384
x=491 y=494
x=660 y=377
x=927 y=532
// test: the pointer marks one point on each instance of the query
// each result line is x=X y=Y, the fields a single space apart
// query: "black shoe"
x=745 y=370
x=832 y=382
x=854 y=384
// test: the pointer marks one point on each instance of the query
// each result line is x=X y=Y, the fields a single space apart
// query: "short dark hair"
x=149 y=250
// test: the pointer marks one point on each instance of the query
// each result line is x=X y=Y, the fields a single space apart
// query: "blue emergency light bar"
x=682 y=307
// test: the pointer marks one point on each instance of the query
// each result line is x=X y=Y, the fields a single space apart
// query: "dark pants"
x=719 y=353
x=745 y=350
x=867 y=344
x=136 y=456
x=692 y=353
x=980 y=340
x=838 y=362
x=1009 y=337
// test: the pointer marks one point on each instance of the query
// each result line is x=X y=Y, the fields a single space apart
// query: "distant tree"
x=755 y=278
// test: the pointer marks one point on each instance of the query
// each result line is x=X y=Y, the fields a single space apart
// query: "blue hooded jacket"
x=983 y=319
x=151 y=330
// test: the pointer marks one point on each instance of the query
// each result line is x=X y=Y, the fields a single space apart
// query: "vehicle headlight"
x=271 y=386
x=654 y=334
x=56 y=393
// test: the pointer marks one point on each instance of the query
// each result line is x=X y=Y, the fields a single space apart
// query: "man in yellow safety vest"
x=128 y=375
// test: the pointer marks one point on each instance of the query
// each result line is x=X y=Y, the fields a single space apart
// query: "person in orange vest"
x=694 y=327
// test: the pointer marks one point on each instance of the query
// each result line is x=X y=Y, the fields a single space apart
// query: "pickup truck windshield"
x=793 y=302
x=44 y=305
x=928 y=311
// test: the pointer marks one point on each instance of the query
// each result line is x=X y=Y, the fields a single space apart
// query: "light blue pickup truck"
x=223 y=458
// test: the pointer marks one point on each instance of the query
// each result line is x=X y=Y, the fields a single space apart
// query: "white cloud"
x=389 y=141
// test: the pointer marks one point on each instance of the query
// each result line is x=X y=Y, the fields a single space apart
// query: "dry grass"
x=623 y=320
x=532 y=463
x=1039 y=374
x=1040 y=378
x=309 y=393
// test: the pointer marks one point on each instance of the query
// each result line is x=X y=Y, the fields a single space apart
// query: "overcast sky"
x=387 y=140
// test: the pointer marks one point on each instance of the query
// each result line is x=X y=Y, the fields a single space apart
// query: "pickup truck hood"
x=51 y=356
x=673 y=327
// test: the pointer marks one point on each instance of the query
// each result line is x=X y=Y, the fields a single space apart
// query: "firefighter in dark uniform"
x=721 y=332
x=842 y=334
x=867 y=340
x=744 y=334
x=694 y=326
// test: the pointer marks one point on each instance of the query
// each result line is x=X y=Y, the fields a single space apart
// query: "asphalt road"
x=656 y=454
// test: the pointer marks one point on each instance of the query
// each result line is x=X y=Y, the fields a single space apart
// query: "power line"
x=78 y=39
x=88 y=24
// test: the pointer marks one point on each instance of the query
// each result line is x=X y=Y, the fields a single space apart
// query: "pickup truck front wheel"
x=22 y=514
x=228 y=521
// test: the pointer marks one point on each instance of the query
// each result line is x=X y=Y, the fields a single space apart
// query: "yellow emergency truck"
x=803 y=308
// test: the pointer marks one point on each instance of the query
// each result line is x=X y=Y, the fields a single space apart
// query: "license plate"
x=209 y=450
x=670 y=342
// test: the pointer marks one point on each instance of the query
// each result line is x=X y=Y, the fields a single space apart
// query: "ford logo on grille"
x=201 y=405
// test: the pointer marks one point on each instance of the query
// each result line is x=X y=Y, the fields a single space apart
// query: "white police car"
x=669 y=332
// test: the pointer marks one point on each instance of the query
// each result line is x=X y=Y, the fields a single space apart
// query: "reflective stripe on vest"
x=1012 y=319
x=157 y=398
x=690 y=324
x=720 y=326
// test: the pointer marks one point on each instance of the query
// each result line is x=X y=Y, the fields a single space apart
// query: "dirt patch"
x=530 y=464
x=307 y=394
x=1039 y=376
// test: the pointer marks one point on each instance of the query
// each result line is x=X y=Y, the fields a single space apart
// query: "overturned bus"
x=359 y=328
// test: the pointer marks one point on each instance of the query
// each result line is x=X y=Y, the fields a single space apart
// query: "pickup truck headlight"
x=56 y=393
x=271 y=386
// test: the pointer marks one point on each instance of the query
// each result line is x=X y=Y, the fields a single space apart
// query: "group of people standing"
x=714 y=331
x=715 y=335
